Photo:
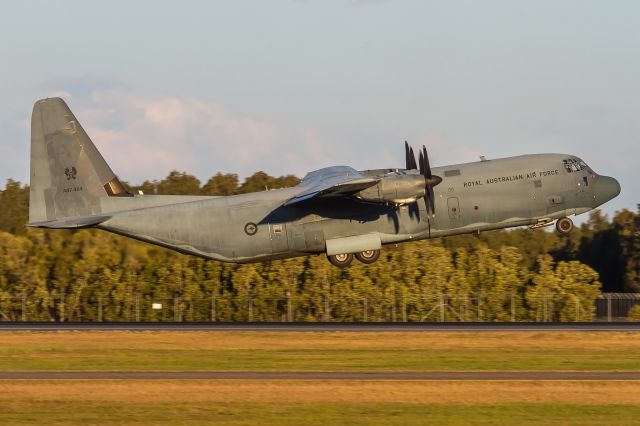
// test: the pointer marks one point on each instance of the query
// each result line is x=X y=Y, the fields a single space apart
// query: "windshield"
x=572 y=165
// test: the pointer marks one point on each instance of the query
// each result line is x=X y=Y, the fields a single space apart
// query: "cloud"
x=145 y=137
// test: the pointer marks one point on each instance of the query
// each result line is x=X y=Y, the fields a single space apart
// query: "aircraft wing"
x=331 y=181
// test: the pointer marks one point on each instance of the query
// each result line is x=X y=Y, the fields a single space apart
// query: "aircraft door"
x=537 y=203
x=454 y=209
x=278 y=235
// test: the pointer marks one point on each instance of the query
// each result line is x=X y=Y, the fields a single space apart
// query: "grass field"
x=319 y=403
x=339 y=402
x=295 y=351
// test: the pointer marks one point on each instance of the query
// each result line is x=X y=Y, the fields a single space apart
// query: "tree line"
x=522 y=274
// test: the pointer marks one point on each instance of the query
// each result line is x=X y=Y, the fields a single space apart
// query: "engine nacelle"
x=396 y=188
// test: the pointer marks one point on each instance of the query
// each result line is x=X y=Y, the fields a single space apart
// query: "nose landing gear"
x=564 y=225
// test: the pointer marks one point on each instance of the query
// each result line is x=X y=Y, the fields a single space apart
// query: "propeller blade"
x=407 y=156
x=424 y=168
x=412 y=156
x=430 y=180
x=432 y=201
x=427 y=166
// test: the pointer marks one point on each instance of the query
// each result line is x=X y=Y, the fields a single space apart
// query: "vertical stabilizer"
x=68 y=175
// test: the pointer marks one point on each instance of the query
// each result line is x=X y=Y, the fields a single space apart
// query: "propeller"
x=410 y=157
x=430 y=180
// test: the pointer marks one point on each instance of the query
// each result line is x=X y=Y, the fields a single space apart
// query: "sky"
x=291 y=86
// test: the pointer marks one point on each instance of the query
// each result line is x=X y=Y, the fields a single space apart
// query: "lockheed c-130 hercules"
x=338 y=211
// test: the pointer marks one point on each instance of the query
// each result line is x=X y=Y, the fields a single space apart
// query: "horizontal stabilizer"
x=71 y=222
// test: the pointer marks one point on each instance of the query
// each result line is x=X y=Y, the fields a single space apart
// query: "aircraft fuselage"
x=473 y=197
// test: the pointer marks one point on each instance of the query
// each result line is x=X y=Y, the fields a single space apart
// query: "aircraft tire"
x=368 y=257
x=341 y=260
x=564 y=225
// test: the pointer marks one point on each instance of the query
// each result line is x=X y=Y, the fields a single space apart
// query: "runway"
x=320 y=327
x=325 y=375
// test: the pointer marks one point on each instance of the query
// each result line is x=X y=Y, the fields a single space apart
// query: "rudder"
x=68 y=175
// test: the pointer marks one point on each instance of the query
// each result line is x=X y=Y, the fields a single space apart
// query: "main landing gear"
x=368 y=256
x=343 y=260
x=564 y=225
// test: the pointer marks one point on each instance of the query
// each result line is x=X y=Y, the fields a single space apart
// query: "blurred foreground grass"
x=318 y=403
x=321 y=414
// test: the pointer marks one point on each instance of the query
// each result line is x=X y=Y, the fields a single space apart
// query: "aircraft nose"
x=606 y=188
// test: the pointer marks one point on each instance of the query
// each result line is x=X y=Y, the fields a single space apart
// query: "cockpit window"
x=573 y=165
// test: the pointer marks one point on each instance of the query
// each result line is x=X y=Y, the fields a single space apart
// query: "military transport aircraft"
x=338 y=211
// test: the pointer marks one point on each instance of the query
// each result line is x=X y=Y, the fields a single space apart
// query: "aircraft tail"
x=69 y=177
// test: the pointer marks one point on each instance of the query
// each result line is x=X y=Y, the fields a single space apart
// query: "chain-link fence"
x=434 y=308
x=616 y=306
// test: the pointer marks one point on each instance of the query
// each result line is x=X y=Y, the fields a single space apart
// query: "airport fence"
x=435 y=308
x=616 y=306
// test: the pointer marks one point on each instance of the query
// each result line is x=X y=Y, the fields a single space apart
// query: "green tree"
x=221 y=184
x=147 y=188
x=541 y=293
x=579 y=288
x=14 y=207
x=601 y=249
x=564 y=293
x=435 y=266
x=627 y=226
x=634 y=313
x=179 y=183
x=260 y=181
x=245 y=280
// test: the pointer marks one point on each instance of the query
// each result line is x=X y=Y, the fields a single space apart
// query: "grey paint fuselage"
x=472 y=197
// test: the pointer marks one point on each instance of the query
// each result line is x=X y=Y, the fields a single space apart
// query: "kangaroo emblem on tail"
x=71 y=174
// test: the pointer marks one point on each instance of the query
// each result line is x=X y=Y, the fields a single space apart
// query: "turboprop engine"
x=406 y=186
x=395 y=188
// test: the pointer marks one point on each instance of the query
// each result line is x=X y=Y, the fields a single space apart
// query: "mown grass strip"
x=235 y=351
x=320 y=414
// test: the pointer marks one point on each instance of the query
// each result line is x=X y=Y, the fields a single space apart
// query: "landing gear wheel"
x=564 y=225
x=341 y=260
x=368 y=256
